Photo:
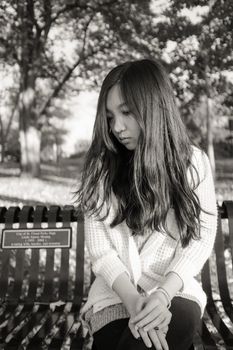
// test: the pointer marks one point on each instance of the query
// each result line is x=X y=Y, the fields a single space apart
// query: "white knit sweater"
x=114 y=250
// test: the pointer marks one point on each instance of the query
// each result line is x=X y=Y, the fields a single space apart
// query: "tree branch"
x=47 y=17
x=76 y=4
x=69 y=72
x=66 y=8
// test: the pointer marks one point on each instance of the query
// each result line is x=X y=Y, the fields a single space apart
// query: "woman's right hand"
x=155 y=337
x=152 y=337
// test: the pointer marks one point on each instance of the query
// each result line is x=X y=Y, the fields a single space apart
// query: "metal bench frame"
x=51 y=320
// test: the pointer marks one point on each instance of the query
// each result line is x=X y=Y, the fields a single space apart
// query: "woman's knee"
x=186 y=316
x=108 y=336
x=185 y=313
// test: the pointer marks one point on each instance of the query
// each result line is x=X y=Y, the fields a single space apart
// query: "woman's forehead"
x=115 y=98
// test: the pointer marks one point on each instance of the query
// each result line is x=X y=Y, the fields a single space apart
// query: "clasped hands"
x=149 y=320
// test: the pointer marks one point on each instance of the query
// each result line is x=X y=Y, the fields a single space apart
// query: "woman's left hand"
x=154 y=314
x=158 y=339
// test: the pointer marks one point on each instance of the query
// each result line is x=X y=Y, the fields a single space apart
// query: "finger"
x=164 y=330
x=149 y=318
x=162 y=325
x=158 y=322
x=155 y=339
x=145 y=338
x=162 y=340
x=134 y=331
x=161 y=320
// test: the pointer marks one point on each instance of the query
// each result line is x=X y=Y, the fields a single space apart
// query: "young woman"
x=150 y=215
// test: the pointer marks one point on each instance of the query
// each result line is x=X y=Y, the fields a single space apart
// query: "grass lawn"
x=56 y=186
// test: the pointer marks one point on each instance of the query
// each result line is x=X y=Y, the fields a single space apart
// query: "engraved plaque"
x=36 y=238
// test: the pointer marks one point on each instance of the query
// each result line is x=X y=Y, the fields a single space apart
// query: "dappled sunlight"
x=25 y=191
x=27 y=97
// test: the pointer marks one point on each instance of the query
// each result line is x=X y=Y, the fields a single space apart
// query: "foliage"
x=58 y=40
x=63 y=46
x=201 y=54
x=59 y=48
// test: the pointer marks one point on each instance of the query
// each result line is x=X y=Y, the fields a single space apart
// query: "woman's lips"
x=125 y=139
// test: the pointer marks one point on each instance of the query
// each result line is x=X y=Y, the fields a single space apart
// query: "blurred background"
x=54 y=55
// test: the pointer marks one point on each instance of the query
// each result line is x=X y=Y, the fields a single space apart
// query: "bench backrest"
x=42 y=274
x=57 y=274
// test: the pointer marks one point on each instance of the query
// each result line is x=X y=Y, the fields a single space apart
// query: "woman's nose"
x=119 y=125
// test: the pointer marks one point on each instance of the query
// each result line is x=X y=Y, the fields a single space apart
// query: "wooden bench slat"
x=60 y=331
x=209 y=343
x=65 y=254
x=49 y=276
x=77 y=341
x=38 y=340
x=31 y=320
x=79 y=274
x=39 y=213
x=58 y=339
x=18 y=276
x=49 y=268
x=20 y=255
x=11 y=214
x=6 y=311
x=206 y=283
x=228 y=205
x=5 y=257
x=14 y=322
x=64 y=329
x=219 y=324
x=222 y=273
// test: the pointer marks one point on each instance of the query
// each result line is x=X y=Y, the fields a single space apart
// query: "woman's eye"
x=126 y=112
x=110 y=119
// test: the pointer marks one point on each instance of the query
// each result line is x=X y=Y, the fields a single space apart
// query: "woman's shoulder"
x=199 y=157
x=200 y=163
x=196 y=151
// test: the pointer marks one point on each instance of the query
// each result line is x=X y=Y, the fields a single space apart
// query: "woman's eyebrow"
x=123 y=104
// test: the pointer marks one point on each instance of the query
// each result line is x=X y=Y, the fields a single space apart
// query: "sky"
x=81 y=121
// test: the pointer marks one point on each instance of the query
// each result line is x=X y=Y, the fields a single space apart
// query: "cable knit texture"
x=148 y=259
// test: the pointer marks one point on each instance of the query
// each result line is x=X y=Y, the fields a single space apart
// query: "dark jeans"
x=185 y=320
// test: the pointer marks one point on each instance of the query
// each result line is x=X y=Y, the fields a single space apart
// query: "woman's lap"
x=185 y=319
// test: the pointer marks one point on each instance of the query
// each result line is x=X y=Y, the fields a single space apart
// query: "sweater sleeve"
x=104 y=258
x=189 y=261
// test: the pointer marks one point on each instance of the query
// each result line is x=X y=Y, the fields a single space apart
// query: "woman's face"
x=121 y=120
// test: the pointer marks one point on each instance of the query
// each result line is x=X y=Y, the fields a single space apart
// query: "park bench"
x=43 y=284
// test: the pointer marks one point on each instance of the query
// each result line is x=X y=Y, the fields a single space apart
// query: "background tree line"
x=197 y=52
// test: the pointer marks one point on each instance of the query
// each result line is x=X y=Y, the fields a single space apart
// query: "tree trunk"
x=209 y=115
x=29 y=134
x=30 y=141
x=2 y=151
x=209 y=136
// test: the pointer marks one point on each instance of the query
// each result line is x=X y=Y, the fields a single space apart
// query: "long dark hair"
x=150 y=180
